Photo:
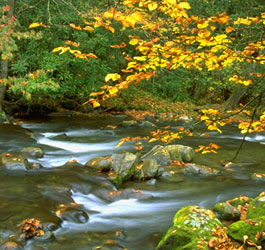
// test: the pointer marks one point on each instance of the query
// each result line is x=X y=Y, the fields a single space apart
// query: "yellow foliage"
x=113 y=77
x=152 y=6
x=184 y=5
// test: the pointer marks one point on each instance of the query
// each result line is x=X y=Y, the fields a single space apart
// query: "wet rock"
x=147 y=124
x=123 y=167
x=199 y=170
x=13 y=162
x=129 y=123
x=172 y=174
x=72 y=214
x=36 y=152
x=148 y=169
x=232 y=209
x=185 y=118
x=180 y=153
x=11 y=245
x=72 y=163
x=165 y=154
x=225 y=211
x=258 y=177
x=36 y=166
x=100 y=163
x=190 y=225
x=159 y=154
x=47 y=236
x=151 y=182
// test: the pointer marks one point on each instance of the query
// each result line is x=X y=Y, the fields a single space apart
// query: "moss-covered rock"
x=192 y=227
x=202 y=221
x=254 y=230
x=225 y=211
x=180 y=238
x=122 y=167
x=256 y=207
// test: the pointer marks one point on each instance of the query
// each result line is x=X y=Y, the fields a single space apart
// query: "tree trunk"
x=238 y=92
x=4 y=63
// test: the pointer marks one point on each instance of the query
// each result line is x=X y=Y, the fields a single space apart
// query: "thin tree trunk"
x=4 y=63
x=235 y=97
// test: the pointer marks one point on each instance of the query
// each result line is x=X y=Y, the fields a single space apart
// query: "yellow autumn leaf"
x=153 y=140
x=95 y=104
x=108 y=14
x=113 y=77
x=88 y=28
x=113 y=90
x=134 y=41
x=119 y=144
x=34 y=25
x=203 y=25
x=57 y=49
x=140 y=58
x=152 y=6
x=184 y=5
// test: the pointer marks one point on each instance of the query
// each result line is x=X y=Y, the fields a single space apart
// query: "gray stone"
x=165 y=154
x=150 y=168
x=199 y=170
x=102 y=163
x=33 y=152
x=129 y=123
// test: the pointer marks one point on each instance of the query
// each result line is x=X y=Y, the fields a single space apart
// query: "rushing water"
x=94 y=218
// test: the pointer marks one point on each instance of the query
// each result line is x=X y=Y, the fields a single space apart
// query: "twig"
x=249 y=126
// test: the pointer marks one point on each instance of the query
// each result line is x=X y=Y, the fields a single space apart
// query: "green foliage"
x=37 y=88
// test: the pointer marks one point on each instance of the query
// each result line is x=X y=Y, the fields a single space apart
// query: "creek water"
x=91 y=218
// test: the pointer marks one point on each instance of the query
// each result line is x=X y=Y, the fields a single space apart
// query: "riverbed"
x=78 y=202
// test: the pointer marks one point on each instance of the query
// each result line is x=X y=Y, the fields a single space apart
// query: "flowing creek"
x=93 y=218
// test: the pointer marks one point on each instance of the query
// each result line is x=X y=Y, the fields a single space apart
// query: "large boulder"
x=192 y=227
x=122 y=167
x=10 y=161
x=147 y=170
x=232 y=209
x=180 y=153
x=158 y=153
x=165 y=154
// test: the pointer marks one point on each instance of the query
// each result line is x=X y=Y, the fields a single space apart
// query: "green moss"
x=181 y=238
x=257 y=207
x=225 y=211
x=202 y=220
x=249 y=228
